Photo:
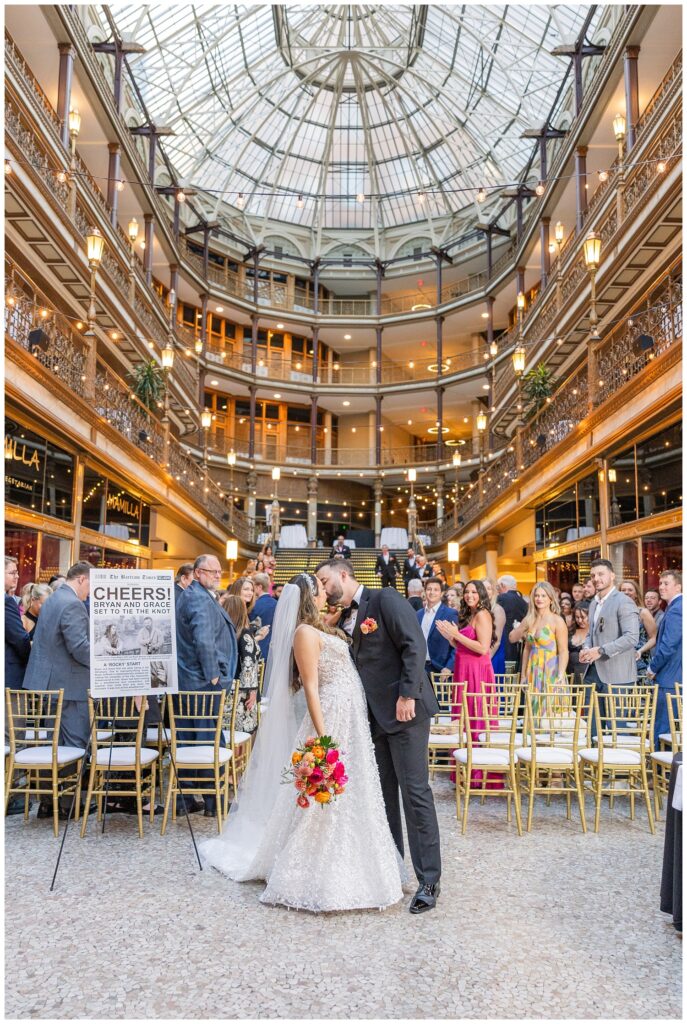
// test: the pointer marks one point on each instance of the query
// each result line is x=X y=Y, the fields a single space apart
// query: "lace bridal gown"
x=338 y=857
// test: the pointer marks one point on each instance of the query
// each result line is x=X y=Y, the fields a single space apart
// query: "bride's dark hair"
x=308 y=613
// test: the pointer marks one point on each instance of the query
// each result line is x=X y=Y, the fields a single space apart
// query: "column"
x=327 y=439
x=252 y=486
x=371 y=436
x=490 y=260
x=113 y=174
x=174 y=287
x=378 y=354
x=441 y=483
x=254 y=343
x=631 y=95
x=490 y=319
x=117 y=85
x=519 y=280
x=604 y=505
x=439 y=279
x=378 y=430
x=313 y=429
x=378 y=286
x=580 y=184
x=518 y=216
x=543 y=169
x=204 y=340
x=440 y=421
x=148 y=255
x=315 y=352
x=175 y=220
x=476 y=437
x=492 y=545
x=64 y=89
x=440 y=343
x=545 y=254
x=316 y=287
x=251 y=424
x=312 y=510
x=378 y=495
x=152 y=151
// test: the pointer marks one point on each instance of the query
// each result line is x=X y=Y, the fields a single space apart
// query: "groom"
x=389 y=652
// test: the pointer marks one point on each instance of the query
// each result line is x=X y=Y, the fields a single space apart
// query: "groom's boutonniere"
x=369 y=626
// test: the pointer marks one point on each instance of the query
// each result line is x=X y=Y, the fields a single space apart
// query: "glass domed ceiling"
x=291 y=112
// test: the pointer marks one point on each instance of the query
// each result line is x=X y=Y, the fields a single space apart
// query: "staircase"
x=292 y=560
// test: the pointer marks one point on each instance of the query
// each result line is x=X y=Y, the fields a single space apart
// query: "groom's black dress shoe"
x=425 y=899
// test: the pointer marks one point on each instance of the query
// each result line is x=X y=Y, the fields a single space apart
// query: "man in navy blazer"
x=440 y=654
x=206 y=647
x=17 y=641
x=263 y=609
x=666 y=664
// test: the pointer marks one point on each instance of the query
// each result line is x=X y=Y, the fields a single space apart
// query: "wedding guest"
x=60 y=660
x=577 y=593
x=183 y=579
x=276 y=590
x=576 y=638
x=247 y=671
x=243 y=587
x=38 y=594
x=341 y=549
x=497 y=651
x=473 y=636
x=386 y=567
x=545 y=656
x=440 y=653
x=666 y=664
x=206 y=650
x=588 y=589
x=422 y=570
x=250 y=567
x=451 y=597
x=566 y=604
x=415 y=594
x=652 y=602
x=515 y=607
x=609 y=650
x=263 y=610
x=647 y=625
x=17 y=651
x=409 y=567
x=56 y=581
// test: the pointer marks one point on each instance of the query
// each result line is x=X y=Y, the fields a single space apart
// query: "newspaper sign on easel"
x=132 y=632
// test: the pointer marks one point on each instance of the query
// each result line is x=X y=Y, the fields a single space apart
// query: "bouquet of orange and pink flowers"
x=317 y=771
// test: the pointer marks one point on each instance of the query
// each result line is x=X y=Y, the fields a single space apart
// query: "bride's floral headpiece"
x=311 y=582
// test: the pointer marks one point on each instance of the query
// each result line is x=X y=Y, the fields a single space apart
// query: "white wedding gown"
x=340 y=856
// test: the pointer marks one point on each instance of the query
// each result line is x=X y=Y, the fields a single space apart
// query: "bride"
x=321 y=858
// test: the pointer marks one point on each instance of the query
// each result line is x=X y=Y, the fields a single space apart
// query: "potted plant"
x=538 y=385
x=147 y=383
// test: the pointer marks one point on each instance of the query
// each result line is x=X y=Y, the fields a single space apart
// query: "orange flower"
x=322 y=798
x=296 y=757
x=318 y=752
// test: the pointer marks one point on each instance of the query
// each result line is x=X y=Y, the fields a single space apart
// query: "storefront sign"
x=132 y=632
x=15 y=451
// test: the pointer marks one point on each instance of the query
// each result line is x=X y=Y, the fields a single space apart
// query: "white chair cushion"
x=239 y=737
x=201 y=755
x=104 y=734
x=444 y=739
x=667 y=738
x=626 y=741
x=663 y=757
x=124 y=756
x=152 y=734
x=545 y=755
x=612 y=755
x=499 y=739
x=483 y=756
x=43 y=755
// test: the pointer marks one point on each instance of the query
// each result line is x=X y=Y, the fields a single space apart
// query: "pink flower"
x=306 y=770
x=332 y=756
x=311 y=741
x=300 y=784
x=316 y=775
x=339 y=771
x=303 y=801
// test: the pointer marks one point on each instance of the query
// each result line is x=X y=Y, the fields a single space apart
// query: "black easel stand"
x=107 y=789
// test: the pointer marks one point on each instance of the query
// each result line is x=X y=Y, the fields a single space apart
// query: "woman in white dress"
x=337 y=857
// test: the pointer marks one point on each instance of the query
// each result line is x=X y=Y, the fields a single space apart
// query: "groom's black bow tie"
x=347 y=611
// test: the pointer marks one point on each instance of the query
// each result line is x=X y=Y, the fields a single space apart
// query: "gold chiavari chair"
x=482 y=710
x=46 y=768
x=240 y=743
x=666 y=741
x=120 y=765
x=261 y=679
x=194 y=753
x=444 y=734
x=662 y=760
x=623 y=717
x=627 y=740
x=548 y=760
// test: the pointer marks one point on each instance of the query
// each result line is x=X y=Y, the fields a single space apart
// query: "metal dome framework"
x=288 y=114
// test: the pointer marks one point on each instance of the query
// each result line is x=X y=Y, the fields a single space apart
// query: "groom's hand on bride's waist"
x=405 y=709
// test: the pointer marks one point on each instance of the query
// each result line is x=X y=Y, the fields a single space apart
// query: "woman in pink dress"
x=473 y=639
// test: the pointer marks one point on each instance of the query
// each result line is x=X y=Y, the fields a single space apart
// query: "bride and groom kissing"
x=358 y=656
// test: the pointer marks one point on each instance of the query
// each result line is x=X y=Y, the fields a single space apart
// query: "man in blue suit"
x=666 y=664
x=206 y=647
x=17 y=651
x=440 y=654
x=263 y=609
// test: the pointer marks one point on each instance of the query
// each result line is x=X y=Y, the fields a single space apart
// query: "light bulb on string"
x=181 y=196
x=299 y=203
x=482 y=194
x=360 y=197
x=540 y=189
x=120 y=186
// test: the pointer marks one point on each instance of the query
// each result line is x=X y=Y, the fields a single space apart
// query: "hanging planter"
x=147 y=384
x=537 y=386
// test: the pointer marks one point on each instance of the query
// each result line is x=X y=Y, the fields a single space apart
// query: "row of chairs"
x=126 y=757
x=507 y=741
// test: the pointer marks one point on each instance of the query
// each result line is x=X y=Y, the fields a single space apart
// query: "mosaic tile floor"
x=552 y=925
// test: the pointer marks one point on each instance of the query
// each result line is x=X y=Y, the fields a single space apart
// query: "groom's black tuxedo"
x=391 y=660
x=391 y=663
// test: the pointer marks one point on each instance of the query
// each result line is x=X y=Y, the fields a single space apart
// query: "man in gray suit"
x=206 y=645
x=61 y=656
x=609 y=648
